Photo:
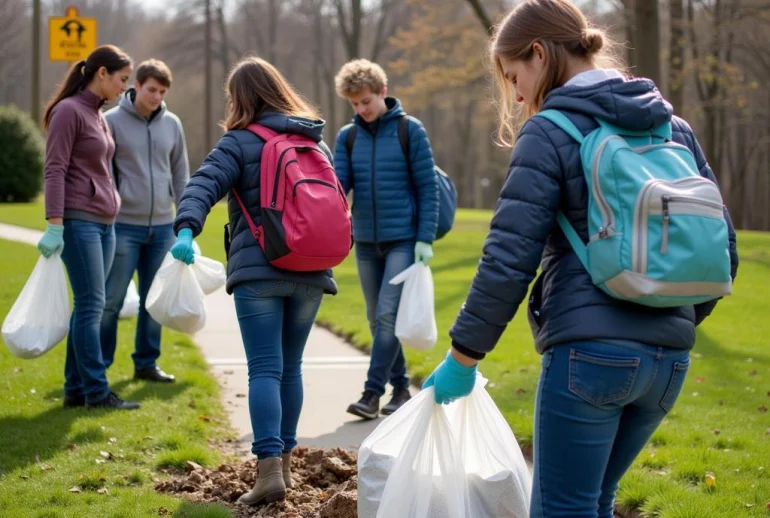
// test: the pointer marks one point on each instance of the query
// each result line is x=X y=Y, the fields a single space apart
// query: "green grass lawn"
x=47 y=453
x=720 y=424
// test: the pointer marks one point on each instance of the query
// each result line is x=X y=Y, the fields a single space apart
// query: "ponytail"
x=82 y=73
x=73 y=83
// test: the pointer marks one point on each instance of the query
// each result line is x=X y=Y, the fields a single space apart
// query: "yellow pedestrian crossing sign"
x=71 y=37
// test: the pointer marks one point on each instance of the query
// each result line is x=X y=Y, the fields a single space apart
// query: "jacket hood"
x=394 y=111
x=127 y=103
x=633 y=104
x=282 y=123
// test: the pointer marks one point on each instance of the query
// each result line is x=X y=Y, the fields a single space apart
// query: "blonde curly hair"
x=357 y=75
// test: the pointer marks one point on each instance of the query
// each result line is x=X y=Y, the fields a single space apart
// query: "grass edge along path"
x=71 y=463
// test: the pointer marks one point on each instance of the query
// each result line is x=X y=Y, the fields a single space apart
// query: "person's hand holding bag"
x=453 y=378
x=183 y=248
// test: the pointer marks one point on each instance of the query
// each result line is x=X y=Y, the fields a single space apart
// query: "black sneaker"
x=400 y=396
x=114 y=402
x=153 y=374
x=74 y=401
x=367 y=407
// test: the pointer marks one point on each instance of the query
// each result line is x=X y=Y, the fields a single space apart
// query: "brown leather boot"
x=269 y=486
x=286 y=459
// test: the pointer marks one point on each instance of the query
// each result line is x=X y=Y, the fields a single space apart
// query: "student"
x=276 y=308
x=611 y=369
x=150 y=170
x=81 y=203
x=395 y=216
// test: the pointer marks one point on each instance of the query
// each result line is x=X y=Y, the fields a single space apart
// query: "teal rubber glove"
x=451 y=380
x=183 y=248
x=423 y=253
x=52 y=240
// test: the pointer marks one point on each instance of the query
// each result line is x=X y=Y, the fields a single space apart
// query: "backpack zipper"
x=604 y=207
x=310 y=180
x=639 y=261
x=278 y=168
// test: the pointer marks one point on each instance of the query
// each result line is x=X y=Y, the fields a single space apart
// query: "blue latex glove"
x=451 y=380
x=52 y=240
x=183 y=248
x=423 y=253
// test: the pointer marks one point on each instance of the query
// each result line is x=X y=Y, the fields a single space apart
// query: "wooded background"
x=710 y=58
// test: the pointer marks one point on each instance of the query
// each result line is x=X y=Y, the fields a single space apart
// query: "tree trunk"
x=629 y=21
x=676 y=56
x=648 y=53
x=272 y=46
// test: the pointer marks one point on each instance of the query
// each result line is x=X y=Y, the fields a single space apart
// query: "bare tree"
x=676 y=55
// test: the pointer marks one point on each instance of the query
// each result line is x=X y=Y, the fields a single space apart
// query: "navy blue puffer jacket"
x=388 y=205
x=234 y=164
x=546 y=176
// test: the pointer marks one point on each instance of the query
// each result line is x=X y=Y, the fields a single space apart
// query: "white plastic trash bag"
x=39 y=319
x=416 y=319
x=443 y=461
x=175 y=298
x=211 y=274
x=130 y=302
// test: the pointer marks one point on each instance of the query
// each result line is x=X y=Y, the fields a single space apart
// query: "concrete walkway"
x=334 y=372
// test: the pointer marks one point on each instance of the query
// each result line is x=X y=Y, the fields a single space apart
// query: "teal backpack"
x=658 y=235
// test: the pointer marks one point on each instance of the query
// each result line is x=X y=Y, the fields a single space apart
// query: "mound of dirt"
x=325 y=486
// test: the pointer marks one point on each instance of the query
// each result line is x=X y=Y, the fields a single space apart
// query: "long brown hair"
x=82 y=73
x=563 y=31
x=255 y=86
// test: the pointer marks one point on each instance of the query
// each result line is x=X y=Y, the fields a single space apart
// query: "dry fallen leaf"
x=762 y=409
x=753 y=372
x=72 y=446
x=240 y=394
x=100 y=461
x=700 y=379
x=107 y=455
x=75 y=489
x=520 y=392
x=112 y=440
x=103 y=491
x=45 y=467
x=717 y=431
x=163 y=512
x=204 y=418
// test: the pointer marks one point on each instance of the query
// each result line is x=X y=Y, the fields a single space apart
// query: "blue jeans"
x=377 y=264
x=88 y=251
x=142 y=249
x=597 y=405
x=275 y=318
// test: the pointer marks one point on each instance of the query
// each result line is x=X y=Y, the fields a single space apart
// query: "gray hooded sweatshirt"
x=150 y=164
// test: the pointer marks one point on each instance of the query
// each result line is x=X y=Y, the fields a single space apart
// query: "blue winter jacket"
x=546 y=176
x=234 y=164
x=388 y=205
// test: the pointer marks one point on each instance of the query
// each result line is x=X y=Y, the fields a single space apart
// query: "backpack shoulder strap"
x=570 y=129
x=562 y=122
x=403 y=138
x=262 y=132
x=350 y=138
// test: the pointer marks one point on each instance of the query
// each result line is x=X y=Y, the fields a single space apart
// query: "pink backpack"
x=306 y=222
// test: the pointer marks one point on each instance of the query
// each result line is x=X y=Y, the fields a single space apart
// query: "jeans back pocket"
x=675 y=384
x=599 y=379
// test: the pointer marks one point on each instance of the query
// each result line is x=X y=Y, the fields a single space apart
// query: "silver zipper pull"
x=666 y=219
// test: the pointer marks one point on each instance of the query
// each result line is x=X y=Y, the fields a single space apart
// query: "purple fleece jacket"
x=79 y=149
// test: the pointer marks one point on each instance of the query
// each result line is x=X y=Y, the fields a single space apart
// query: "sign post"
x=71 y=37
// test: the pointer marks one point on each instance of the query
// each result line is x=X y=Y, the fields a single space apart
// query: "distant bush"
x=22 y=150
